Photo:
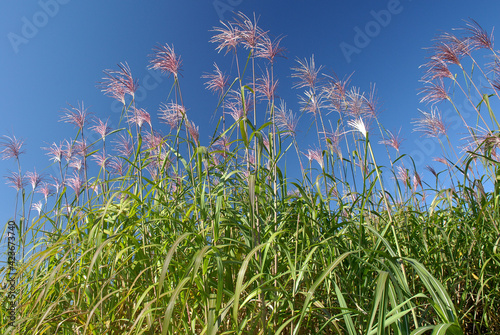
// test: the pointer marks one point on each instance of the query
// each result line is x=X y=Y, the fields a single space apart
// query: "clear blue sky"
x=52 y=52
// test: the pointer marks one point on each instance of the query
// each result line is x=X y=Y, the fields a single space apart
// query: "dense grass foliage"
x=173 y=237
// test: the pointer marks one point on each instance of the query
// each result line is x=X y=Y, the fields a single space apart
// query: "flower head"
x=76 y=183
x=34 y=179
x=55 y=151
x=76 y=115
x=392 y=140
x=306 y=73
x=430 y=124
x=218 y=81
x=11 y=147
x=165 y=60
x=315 y=154
x=228 y=37
x=359 y=125
x=478 y=37
x=172 y=114
x=101 y=128
x=286 y=120
x=269 y=49
x=138 y=116
x=16 y=181
x=266 y=86
x=249 y=31
x=45 y=190
x=123 y=145
x=116 y=84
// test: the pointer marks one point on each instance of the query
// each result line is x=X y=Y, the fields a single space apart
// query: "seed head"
x=218 y=81
x=116 y=84
x=165 y=60
x=11 y=147
x=430 y=124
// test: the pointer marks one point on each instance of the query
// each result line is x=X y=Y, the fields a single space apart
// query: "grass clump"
x=173 y=237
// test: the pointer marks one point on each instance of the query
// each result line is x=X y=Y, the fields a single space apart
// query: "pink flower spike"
x=76 y=115
x=138 y=117
x=286 y=120
x=193 y=131
x=250 y=32
x=34 y=179
x=171 y=114
x=102 y=160
x=11 y=147
x=56 y=151
x=101 y=128
x=165 y=60
x=76 y=183
x=266 y=86
x=218 y=81
x=306 y=73
x=45 y=190
x=315 y=154
x=266 y=48
x=228 y=37
x=16 y=181
x=478 y=37
x=392 y=140
x=430 y=124
x=116 y=84
x=123 y=145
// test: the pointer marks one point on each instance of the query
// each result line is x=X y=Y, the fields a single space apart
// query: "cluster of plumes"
x=483 y=142
x=449 y=50
x=118 y=83
x=245 y=32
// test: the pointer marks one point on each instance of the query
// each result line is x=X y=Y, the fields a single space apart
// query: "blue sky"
x=52 y=52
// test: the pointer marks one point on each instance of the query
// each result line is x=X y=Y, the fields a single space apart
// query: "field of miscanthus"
x=177 y=235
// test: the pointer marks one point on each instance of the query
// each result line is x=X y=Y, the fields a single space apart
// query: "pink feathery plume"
x=123 y=145
x=228 y=37
x=165 y=60
x=306 y=73
x=55 y=151
x=76 y=116
x=45 y=190
x=34 y=179
x=217 y=81
x=286 y=120
x=116 y=84
x=392 y=140
x=101 y=128
x=430 y=124
x=269 y=49
x=249 y=30
x=266 y=86
x=16 y=181
x=11 y=147
x=172 y=114
x=138 y=116
x=315 y=154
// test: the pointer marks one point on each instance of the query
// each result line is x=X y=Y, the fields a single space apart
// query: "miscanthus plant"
x=176 y=235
